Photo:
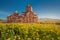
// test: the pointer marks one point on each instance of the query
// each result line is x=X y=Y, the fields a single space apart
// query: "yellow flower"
x=52 y=38
x=28 y=38
x=8 y=39
x=37 y=39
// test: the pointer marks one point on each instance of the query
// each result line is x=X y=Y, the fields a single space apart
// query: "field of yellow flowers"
x=29 y=31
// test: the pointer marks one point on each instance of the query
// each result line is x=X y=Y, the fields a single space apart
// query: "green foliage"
x=29 y=32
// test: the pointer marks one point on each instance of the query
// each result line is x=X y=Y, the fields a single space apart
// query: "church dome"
x=16 y=13
x=29 y=8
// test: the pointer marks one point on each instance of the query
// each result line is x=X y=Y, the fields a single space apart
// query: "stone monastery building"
x=27 y=17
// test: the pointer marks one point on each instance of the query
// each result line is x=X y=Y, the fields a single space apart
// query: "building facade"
x=27 y=17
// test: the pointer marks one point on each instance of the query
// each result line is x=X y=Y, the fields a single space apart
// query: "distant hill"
x=1 y=20
x=48 y=20
x=41 y=20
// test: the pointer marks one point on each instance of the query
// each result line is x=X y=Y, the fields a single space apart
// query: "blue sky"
x=43 y=8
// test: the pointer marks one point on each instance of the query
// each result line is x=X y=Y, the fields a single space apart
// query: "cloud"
x=3 y=14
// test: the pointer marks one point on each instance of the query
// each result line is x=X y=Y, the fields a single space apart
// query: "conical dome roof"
x=16 y=11
x=29 y=8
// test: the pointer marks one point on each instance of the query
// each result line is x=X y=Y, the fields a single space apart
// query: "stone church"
x=27 y=17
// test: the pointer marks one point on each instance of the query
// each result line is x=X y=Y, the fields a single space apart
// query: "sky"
x=43 y=8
